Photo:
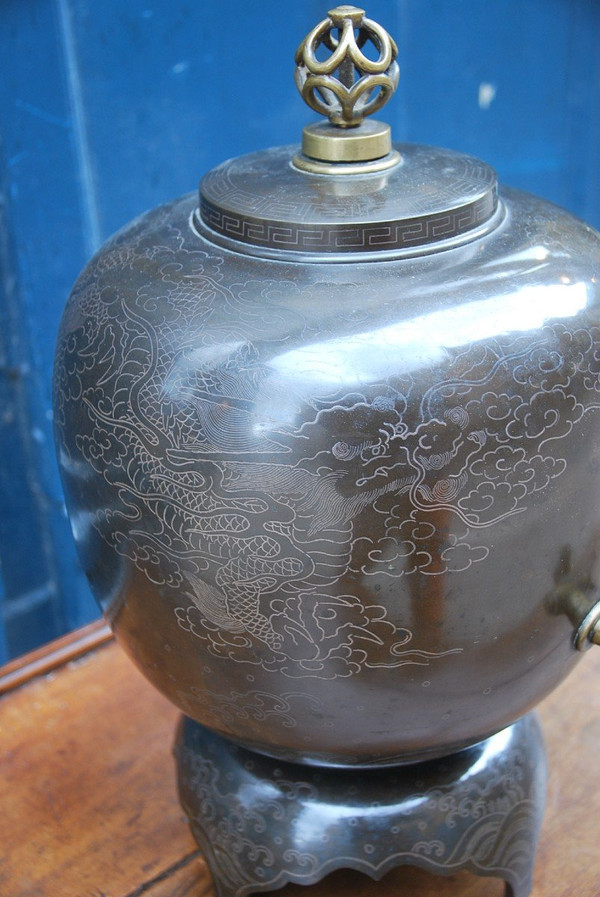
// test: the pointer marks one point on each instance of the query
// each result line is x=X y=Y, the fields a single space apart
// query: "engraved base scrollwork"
x=262 y=823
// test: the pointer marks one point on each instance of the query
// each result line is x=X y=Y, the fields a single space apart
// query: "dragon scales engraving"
x=250 y=498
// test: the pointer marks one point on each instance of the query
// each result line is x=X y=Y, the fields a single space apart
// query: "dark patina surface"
x=325 y=506
x=262 y=825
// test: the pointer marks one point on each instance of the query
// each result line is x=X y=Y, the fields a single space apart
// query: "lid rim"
x=263 y=200
x=345 y=256
x=354 y=236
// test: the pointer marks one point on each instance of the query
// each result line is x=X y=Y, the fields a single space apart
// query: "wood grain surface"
x=89 y=806
x=53 y=655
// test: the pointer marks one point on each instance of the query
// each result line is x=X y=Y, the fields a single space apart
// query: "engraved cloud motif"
x=252 y=499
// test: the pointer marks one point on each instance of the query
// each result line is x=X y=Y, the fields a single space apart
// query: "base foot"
x=262 y=823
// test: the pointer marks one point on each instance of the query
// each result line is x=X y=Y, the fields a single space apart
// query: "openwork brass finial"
x=346 y=87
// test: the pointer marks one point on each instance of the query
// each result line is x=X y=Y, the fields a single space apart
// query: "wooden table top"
x=89 y=805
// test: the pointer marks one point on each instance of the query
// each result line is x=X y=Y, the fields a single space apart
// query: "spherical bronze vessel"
x=329 y=440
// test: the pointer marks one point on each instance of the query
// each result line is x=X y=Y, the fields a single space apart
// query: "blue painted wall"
x=107 y=109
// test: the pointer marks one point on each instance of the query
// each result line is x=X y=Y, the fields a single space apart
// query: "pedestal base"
x=262 y=823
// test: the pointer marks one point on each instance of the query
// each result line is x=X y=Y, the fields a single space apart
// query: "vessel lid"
x=432 y=196
x=348 y=189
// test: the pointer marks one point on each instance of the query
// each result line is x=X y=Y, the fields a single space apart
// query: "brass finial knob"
x=346 y=87
x=362 y=85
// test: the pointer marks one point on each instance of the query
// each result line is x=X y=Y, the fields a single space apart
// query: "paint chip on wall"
x=487 y=93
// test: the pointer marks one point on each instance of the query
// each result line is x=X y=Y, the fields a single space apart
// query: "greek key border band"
x=356 y=237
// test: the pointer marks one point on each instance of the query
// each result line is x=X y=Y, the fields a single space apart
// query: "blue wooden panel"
x=107 y=109
x=4 y=655
x=198 y=90
x=514 y=83
x=42 y=253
